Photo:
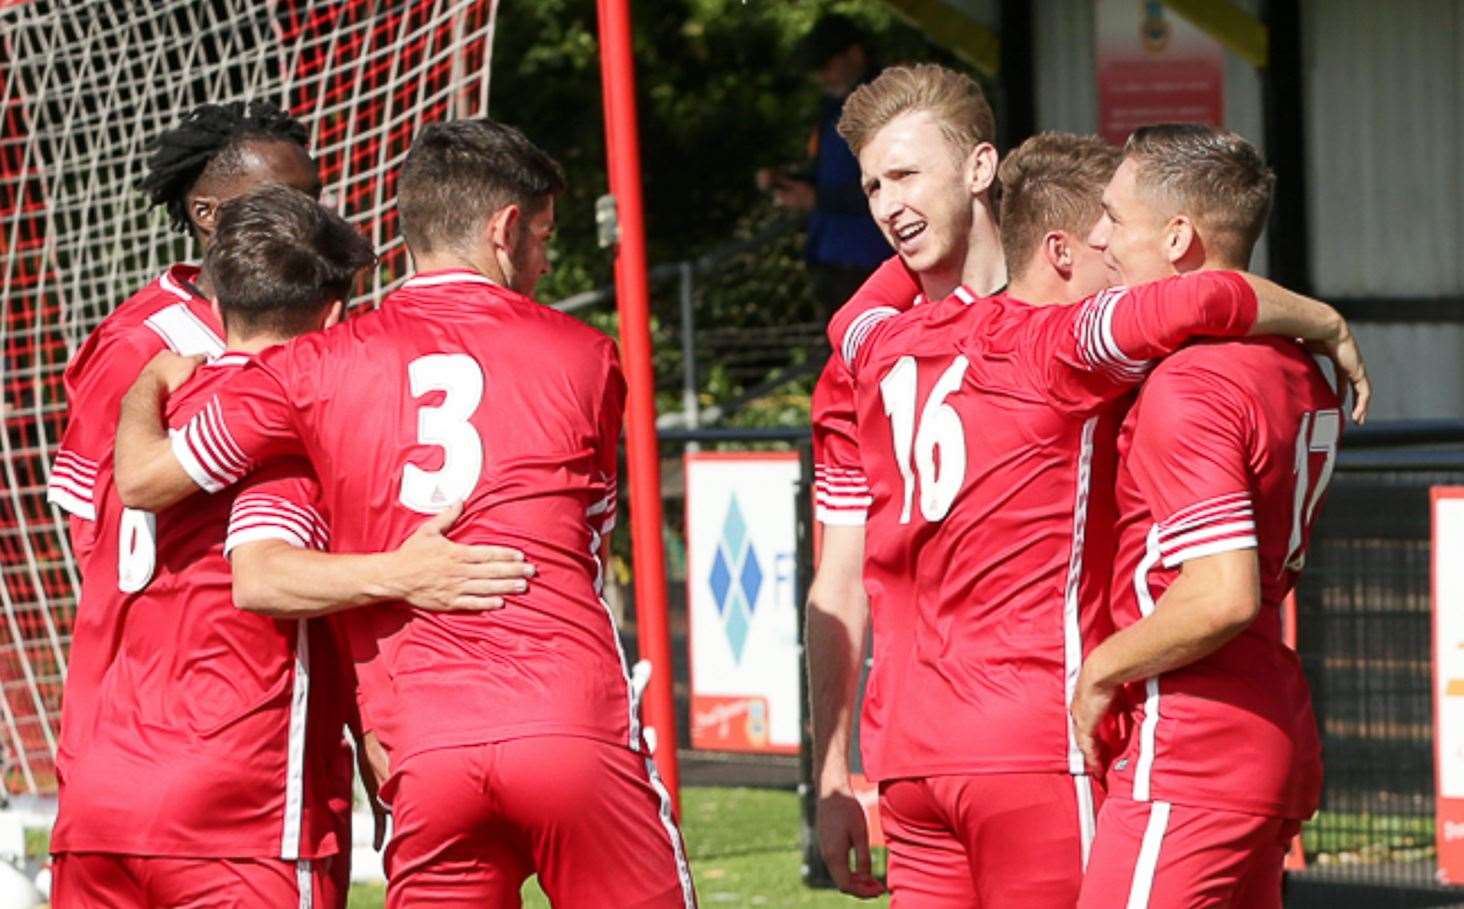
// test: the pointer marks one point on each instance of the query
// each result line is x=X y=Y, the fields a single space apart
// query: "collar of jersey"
x=448 y=276
x=231 y=358
x=179 y=281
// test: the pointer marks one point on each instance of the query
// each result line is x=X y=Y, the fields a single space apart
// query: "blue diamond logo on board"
x=736 y=578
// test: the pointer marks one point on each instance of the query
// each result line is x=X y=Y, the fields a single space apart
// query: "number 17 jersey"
x=455 y=389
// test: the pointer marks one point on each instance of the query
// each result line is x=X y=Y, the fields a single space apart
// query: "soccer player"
x=217 y=152
x=1225 y=459
x=214 y=765
x=978 y=422
x=943 y=225
x=514 y=736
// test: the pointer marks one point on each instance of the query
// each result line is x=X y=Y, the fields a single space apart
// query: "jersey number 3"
x=939 y=429
x=446 y=425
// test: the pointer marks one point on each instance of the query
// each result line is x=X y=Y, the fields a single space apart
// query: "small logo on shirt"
x=1122 y=765
x=735 y=579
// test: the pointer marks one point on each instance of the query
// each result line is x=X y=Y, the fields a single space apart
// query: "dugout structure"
x=83 y=86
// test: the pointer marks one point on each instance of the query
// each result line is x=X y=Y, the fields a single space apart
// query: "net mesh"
x=85 y=85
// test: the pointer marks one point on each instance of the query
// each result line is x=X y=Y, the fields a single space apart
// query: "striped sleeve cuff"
x=259 y=516
x=72 y=485
x=1096 y=345
x=207 y=451
x=841 y=496
x=860 y=329
x=1216 y=525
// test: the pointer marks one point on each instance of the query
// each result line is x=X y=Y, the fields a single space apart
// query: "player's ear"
x=1180 y=239
x=1057 y=252
x=980 y=170
x=203 y=211
x=333 y=313
x=503 y=227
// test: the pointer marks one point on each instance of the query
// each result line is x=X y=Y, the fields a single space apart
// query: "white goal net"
x=83 y=87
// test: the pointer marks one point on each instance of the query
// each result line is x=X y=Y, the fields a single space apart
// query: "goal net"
x=83 y=86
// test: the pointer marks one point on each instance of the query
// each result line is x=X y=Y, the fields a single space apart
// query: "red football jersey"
x=455 y=389
x=200 y=743
x=841 y=491
x=982 y=430
x=1230 y=446
x=166 y=314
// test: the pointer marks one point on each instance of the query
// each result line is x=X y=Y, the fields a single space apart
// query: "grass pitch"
x=744 y=851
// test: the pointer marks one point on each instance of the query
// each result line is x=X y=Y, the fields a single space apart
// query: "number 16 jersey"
x=983 y=431
x=455 y=389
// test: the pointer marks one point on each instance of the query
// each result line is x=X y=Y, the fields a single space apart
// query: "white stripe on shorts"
x=305 y=883
x=1087 y=824
x=683 y=870
x=1148 y=862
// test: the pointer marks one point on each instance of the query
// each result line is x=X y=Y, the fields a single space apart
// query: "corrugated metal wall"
x=1385 y=152
x=1385 y=146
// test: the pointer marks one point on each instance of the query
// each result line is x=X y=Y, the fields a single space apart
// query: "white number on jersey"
x=137 y=549
x=447 y=426
x=939 y=428
x=1319 y=433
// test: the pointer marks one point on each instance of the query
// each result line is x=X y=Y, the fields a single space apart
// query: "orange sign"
x=1448 y=670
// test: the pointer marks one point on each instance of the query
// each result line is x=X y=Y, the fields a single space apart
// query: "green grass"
x=744 y=851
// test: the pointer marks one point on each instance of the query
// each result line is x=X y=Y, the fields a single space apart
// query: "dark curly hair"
x=210 y=138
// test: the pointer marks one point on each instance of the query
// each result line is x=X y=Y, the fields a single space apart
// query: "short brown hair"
x=1213 y=175
x=458 y=174
x=1053 y=181
x=278 y=258
x=954 y=98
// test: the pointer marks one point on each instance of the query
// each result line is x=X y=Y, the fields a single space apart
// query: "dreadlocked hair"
x=210 y=135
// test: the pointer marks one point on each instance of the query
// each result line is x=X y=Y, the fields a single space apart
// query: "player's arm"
x=1189 y=458
x=837 y=620
x=249 y=422
x=278 y=576
x=148 y=476
x=1215 y=598
x=1120 y=332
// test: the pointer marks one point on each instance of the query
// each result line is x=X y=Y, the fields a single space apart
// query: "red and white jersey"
x=200 y=742
x=455 y=389
x=167 y=314
x=1230 y=446
x=982 y=429
x=841 y=491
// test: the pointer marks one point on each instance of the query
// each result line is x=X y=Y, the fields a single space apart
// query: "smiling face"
x=1133 y=231
x=918 y=194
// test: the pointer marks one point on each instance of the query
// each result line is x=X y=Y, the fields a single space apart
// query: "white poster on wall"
x=741 y=550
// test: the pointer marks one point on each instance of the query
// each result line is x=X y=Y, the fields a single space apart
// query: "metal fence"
x=1364 y=619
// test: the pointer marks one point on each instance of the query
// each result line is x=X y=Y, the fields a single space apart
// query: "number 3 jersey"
x=982 y=429
x=212 y=732
x=1229 y=446
x=455 y=389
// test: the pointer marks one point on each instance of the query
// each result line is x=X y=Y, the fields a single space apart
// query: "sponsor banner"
x=1154 y=67
x=741 y=571
x=1448 y=666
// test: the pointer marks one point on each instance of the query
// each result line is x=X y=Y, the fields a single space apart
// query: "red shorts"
x=1158 y=855
x=590 y=818
x=987 y=839
x=82 y=880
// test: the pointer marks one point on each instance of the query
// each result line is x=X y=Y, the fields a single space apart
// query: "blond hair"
x=952 y=98
x=1213 y=175
x=1053 y=181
